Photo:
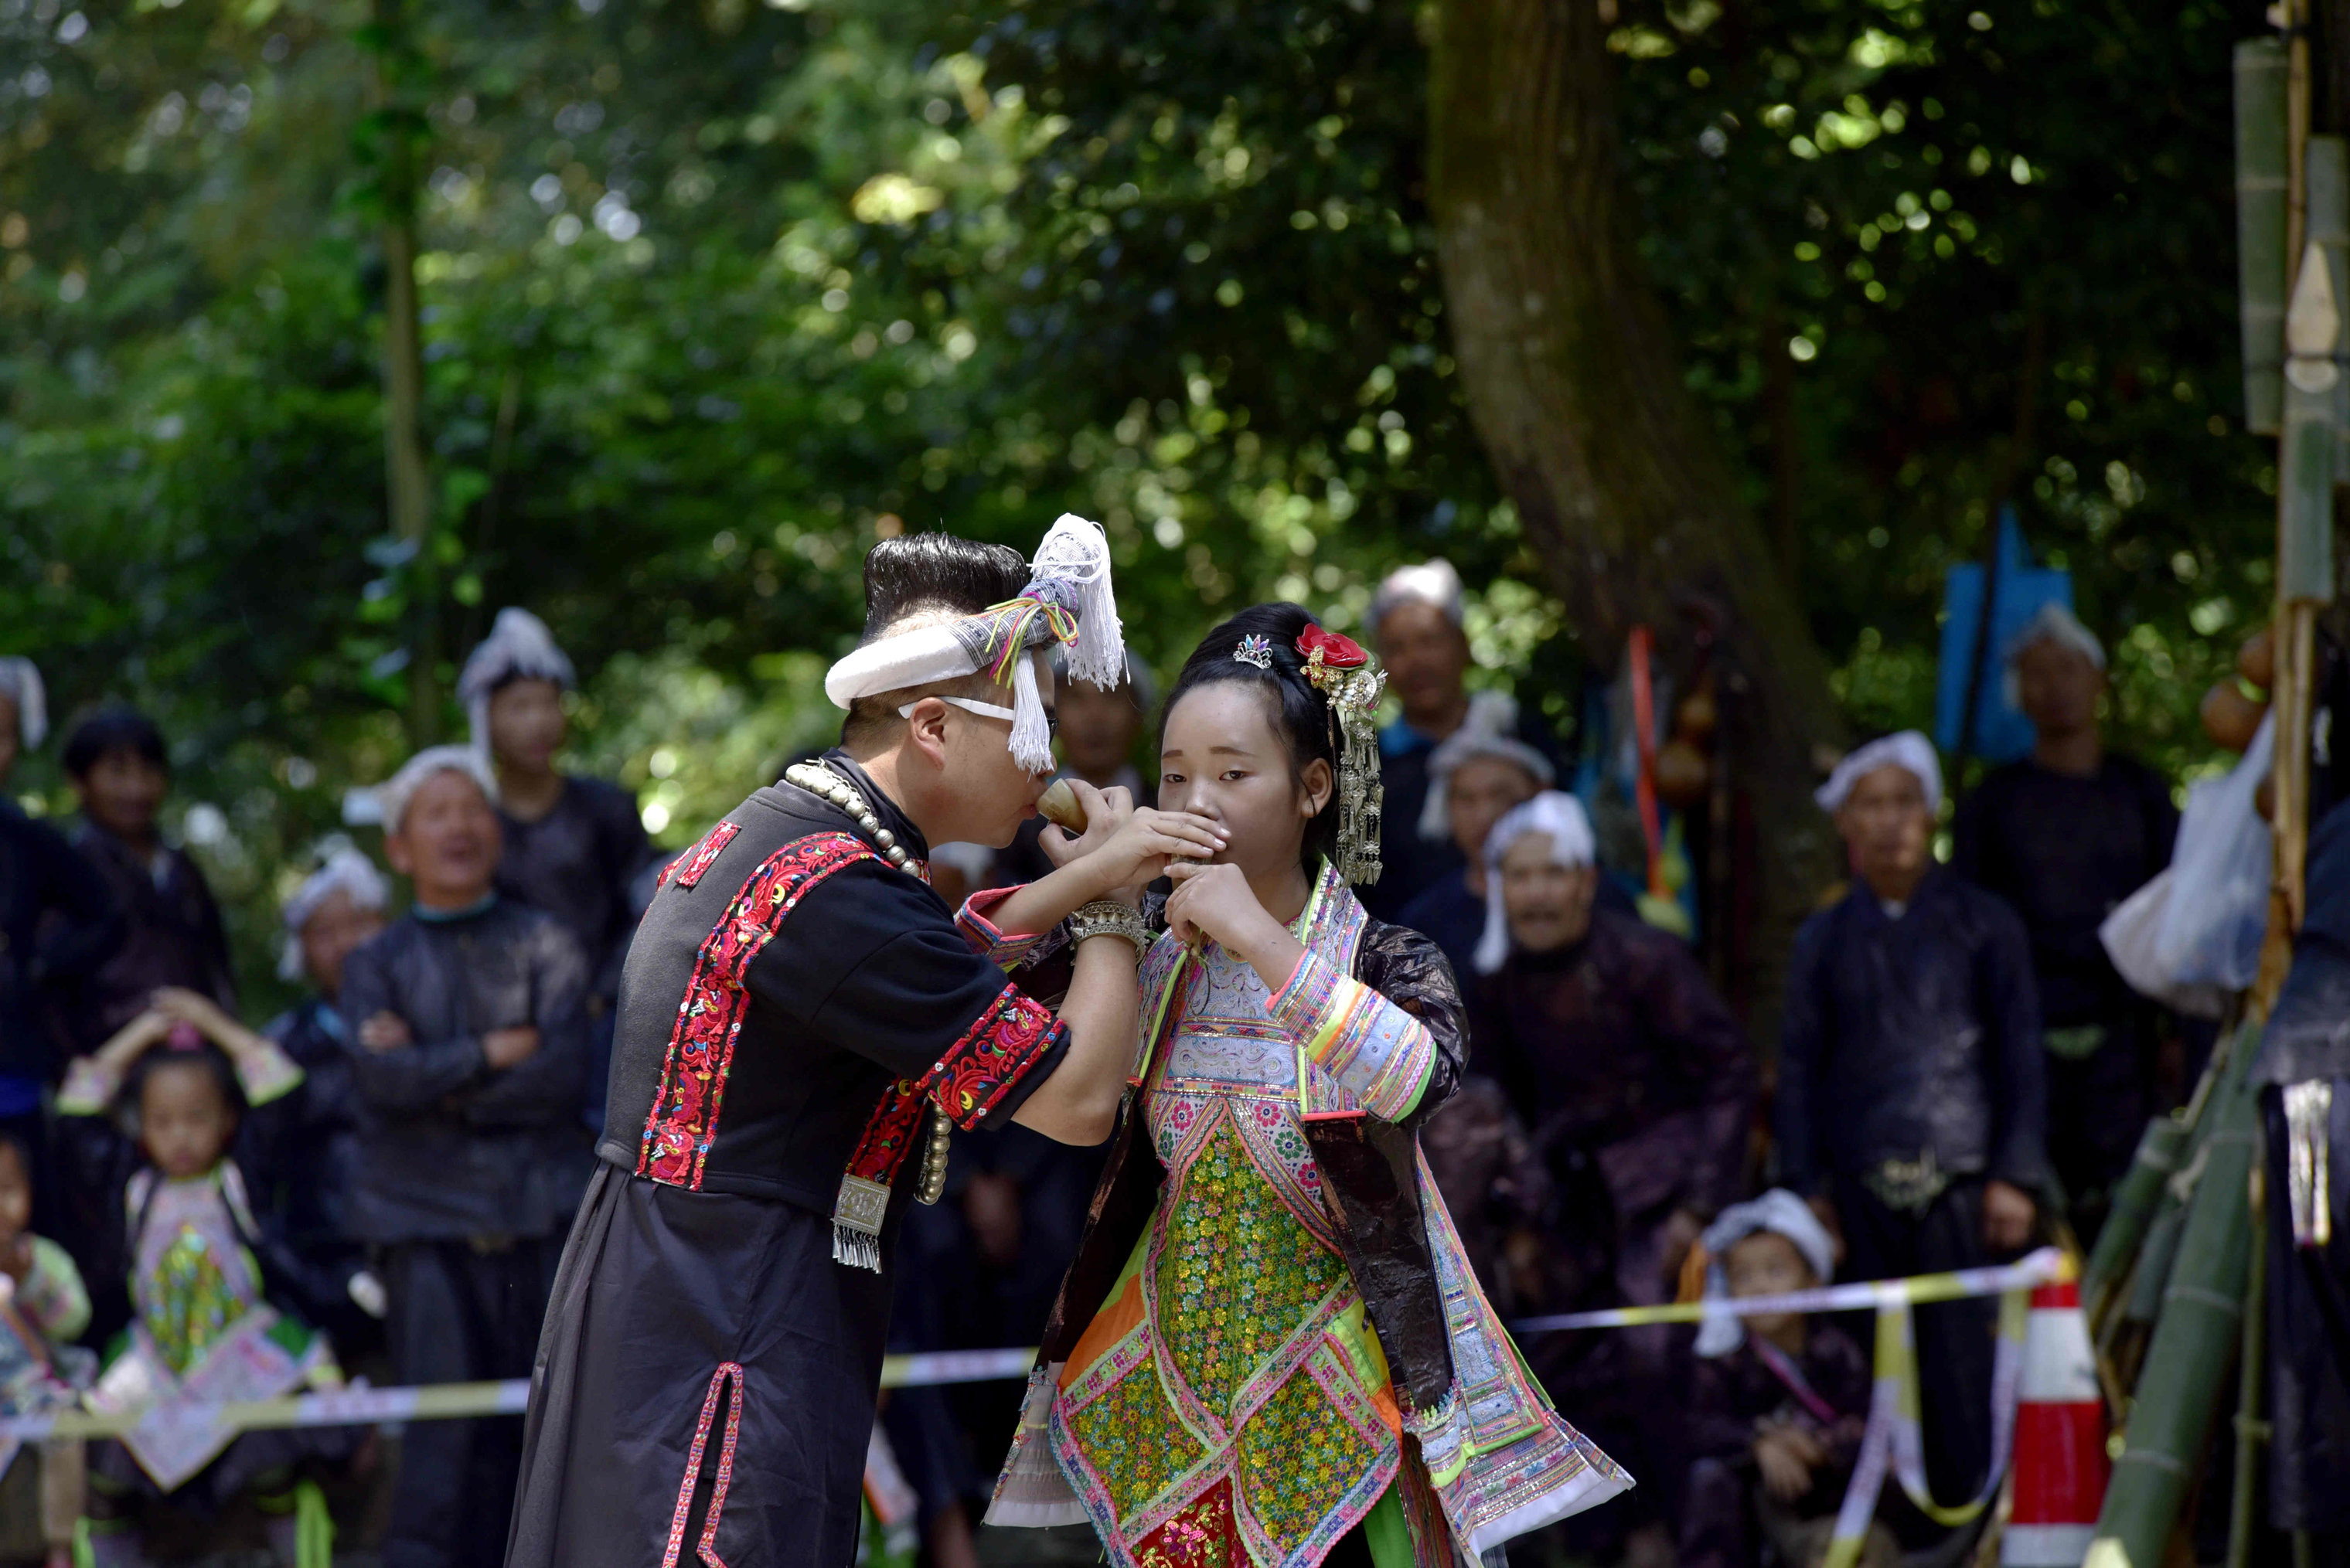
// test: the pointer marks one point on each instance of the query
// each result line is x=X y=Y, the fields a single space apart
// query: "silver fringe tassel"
x=2308 y=1121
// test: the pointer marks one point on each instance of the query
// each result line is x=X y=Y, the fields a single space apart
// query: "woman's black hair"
x=108 y=731
x=1301 y=715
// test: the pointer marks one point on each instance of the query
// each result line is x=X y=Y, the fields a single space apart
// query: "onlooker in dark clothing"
x=1610 y=1042
x=1474 y=778
x=173 y=933
x=300 y=1154
x=1776 y=1403
x=57 y=925
x=469 y=1058
x=2063 y=837
x=1911 y=1107
x=1097 y=730
x=1417 y=620
x=572 y=844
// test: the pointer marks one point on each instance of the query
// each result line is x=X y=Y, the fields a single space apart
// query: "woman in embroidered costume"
x=799 y=1020
x=1281 y=1352
x=213 y=1322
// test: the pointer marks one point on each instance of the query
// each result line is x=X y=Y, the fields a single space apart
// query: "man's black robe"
x=707 y=1375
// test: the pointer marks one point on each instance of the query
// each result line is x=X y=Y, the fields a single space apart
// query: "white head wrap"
x=519 y=648
x=1430 y=581
x=392 y=795
x=1069 y=601
x=20 y=681
x=346 y=871
x=1553 y=811
x=1485 y=732
x=2057 y=624
x=1909 y=750
x=1781 y=1213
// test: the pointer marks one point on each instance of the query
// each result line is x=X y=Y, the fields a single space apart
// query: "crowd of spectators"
x=394 y=1161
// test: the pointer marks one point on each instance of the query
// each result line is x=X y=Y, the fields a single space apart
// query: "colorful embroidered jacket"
x=792 y=1000
x=1270 y=1297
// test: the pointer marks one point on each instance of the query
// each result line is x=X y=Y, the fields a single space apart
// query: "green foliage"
x=716 y=292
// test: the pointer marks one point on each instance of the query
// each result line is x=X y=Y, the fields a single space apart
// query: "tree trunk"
x=1575 y=386
x=408 y=478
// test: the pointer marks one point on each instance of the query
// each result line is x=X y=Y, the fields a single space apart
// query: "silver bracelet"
x=1108 y=917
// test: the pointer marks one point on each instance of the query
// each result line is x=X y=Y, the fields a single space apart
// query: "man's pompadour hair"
x=918 y=572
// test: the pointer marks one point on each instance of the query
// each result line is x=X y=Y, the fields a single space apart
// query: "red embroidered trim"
x=706 y=1549
x=685 y=1115
x=968 y=1081
x=688 y=868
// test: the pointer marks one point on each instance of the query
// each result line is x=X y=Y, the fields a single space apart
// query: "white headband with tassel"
x=1069 y=601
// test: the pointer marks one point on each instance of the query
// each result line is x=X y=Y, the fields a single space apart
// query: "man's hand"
x=1786 y=1456
x=504 y=1048
x=177 y=1001
x=386 y=1031
x=990 y=1202
x=2008 y=1214
x=1127 y=845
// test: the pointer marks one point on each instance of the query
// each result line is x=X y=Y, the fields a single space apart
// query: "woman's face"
x=1548 y=905
x=1223 y=759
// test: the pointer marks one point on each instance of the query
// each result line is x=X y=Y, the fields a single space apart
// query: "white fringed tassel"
x=857 y=1248
x=1032 y=737
x=1077 y=552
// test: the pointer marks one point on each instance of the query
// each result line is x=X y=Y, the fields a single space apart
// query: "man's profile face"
x=1885 y=825
x=993 y=794
x=2057 y=687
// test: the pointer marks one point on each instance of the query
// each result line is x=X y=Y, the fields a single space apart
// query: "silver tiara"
x=1255 y=649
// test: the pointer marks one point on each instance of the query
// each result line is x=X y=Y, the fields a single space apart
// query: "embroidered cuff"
x=1374 y=1050
x=994 y=1054
x=267 y=1074
x=89 y=1088
x=985 y=937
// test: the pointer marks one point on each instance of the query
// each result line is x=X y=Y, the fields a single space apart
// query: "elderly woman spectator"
x=1474 y=779
x=1609 y=1042
x=1419 y=619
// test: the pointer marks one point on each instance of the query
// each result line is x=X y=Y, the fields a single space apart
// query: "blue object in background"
x=2002 y=733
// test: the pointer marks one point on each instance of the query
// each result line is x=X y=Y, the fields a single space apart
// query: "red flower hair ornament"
x=1343 y=672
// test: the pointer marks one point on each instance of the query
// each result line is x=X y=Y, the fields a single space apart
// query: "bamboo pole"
x=2262 y=190
x=2194 y=1344
x=2252 y=1369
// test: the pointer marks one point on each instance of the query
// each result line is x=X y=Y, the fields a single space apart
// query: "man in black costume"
x=1912 y=1109
x=467 y=1049
x=2063 y=835
x=799 y=1014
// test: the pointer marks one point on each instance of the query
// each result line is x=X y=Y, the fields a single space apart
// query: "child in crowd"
x=1777 y=1402
x=216 y=1314
x=42 y=1308
x=301 y=1153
